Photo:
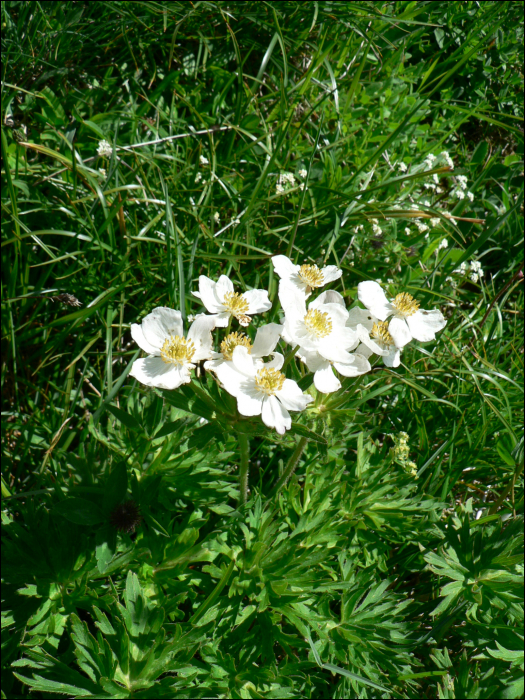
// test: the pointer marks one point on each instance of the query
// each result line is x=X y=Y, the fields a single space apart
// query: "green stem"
x=292 y=464
x=288 y=357
x=244 y=448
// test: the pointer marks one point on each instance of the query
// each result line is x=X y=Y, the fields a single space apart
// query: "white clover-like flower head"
x=171 y=355
x=105 y=149
x=261 y=389
x=408 y=320
x=203 y=160
x=305 y=278
x=302 y=173
x=223 y=302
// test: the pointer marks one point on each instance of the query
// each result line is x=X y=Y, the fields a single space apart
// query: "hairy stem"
x=292 y=464
x=244 y=449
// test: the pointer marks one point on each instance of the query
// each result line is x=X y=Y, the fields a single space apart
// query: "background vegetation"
x=359 y=579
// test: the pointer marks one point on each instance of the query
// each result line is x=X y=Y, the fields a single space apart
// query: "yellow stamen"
x=237 y=305
x=318 y=323
x=405 y=304
x=270 y=381
x=380 y=332
x=177 y=350
x=311 y=276
x=231 y=341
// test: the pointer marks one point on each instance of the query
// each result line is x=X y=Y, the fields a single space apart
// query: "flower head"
x=171 y=356
x=220 y=299
x=304 y=277
x=104 y=149
x=203 y=160
x=261 y=389
x=374 y=336
x=408 y=320
x=264 y=344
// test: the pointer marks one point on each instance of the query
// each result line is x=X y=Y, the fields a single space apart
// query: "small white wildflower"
x=302 y=173
x=304 y=278
x=439 y=190
x=435 y=221
x=203 y=160
x=429 y=185
x=421 y=227
x=403 y=167
x=463 y=268
x=390 y=280
x=279 y=188
x=377 y=230
x=435 y=177
x=387 y=260
x=474 y=276
x=102 y=171
x=216 y=217
x=223 y=302
x=470 y=196
x=429 y=160
x=462 y=181
x=458 y=193
x=407 y=231
x=373 y=221
x=198 y=177
x=444 y=243
x=105 y=149
x=446 y=157
x=475 y=265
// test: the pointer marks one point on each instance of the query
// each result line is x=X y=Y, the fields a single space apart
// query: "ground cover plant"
x=181 y=517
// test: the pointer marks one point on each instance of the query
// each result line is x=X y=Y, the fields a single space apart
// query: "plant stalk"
x=292 y=464
x=244 y=448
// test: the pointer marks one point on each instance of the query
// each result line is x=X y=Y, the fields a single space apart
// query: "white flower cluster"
x=286 y=181
x=473 y=269
x=460 y=191
x=105 y=149
x=324 y=335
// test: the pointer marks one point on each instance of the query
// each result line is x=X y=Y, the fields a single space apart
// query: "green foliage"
x=128 y=569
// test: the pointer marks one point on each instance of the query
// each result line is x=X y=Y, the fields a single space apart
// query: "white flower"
x=203 y=160
x=463 y=268
x=377 y=230
x=104 y=149
x=217 y=217
x=444 y=243
x=198 y=177
x=448 y=160
x=421 y=227
x=409 y=321
x=435 y=221
x=470 y=196
x=407 y=231
x=304 y=277
x=171 y=355
x=374 y=336
x=264 y=344
x=261 y=389
x=302 y=173
x=429 y=160
x=458 y=193
x=403 y=167
x=220 y=299
x=462 y=181
x=474 y=265
x=321 y=329
x=474 y=276
x=279 y=188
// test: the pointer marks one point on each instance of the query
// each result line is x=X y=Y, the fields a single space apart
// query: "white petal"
x=249 y=403
x=229 y=377
x=374 y=347
x=200 y=335
x=257 y=301
x=224 y=285
x=275 y=415
x=284 y=267
x=313 y=360
x=244 y=362
x=160 y=324
x=276 y=363
x=266 y=339
x=360 y=365
x=425 y=324
x=400 y=332
x=222 y=319
x=208 y=295
x=153 y=371
x=138 y=336
x=364 y=351
x=338 y=314
x=291 y=396
x=393 y=359
x=360 y=316
x=331 y=273
x=373 y=297
x=328 y=297
x=325 y=380
x=292 y=300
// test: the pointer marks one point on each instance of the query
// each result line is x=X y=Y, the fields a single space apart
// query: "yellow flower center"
x=270 y=381
x=311 y=276
x=177 y=350
x=405 y=304
x=231 y=341
x=237 y=305
x=380 y=332
x=318 y=323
